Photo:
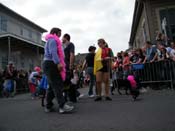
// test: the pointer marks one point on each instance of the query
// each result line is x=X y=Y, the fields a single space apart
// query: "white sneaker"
x=143 y=90
x=91 y=96
x=81 y=96
x=66 y=108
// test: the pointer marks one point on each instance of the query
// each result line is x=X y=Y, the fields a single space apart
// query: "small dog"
x=133 y=87
x=43 y=86
x=128 y=84
x=42 y=95
x=70 y=92
x=119 y=83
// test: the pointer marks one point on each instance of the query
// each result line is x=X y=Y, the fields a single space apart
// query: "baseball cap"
x=92 y=48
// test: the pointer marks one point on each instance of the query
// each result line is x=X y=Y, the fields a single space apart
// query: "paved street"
x=155 y=111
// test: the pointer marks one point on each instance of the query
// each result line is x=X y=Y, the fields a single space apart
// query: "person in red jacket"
x=126 y=63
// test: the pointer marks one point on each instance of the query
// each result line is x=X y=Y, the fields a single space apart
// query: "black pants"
x=71 y=93
x=55 y=84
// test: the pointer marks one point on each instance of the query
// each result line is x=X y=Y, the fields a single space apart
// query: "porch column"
x=9 y=49
x=38 y=56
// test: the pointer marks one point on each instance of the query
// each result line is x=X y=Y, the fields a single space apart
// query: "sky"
x=85 y=20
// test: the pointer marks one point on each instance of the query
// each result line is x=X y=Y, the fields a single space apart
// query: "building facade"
x=150 y=17
x=20 y=40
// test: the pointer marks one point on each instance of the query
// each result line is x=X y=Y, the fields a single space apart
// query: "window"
x=0 y=24
x=3 y=23
x=168 y=22
x=30 y=34
x=4 y=62
x=31 y=64
x=144 y=31
x=21 y=31
x=38 y=35
x=22 y=62
x=173 y=31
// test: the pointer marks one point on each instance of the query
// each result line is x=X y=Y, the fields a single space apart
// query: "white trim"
x=143 y=22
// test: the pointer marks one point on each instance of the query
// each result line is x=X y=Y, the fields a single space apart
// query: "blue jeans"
x=91 y=74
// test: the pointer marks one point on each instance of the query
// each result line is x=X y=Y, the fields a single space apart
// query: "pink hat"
x=37 y=69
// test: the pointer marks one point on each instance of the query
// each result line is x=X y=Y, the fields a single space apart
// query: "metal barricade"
x=22 y=86
x=156 y=72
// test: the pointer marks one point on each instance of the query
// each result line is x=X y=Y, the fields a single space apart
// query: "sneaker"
x=81 y=95
x=98 y=99
x=66 y=109
x=91 y=96
x=143 y=90
x=108 y=98
x=48 y=110
x=134 y=98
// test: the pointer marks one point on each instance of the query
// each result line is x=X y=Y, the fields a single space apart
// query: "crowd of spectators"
x=12 y=80
x=160 y=50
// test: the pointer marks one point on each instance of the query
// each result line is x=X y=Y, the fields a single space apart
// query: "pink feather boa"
x=60 y=53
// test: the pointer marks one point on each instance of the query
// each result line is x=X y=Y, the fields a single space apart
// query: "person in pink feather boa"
x=54 y=69
x=60 y=53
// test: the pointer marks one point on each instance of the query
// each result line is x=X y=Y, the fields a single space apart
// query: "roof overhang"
x=15 y=15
